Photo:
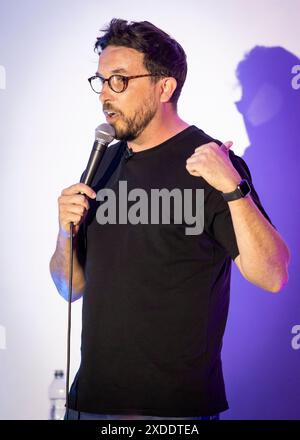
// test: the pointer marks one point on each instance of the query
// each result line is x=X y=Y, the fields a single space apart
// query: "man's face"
x=137 y=105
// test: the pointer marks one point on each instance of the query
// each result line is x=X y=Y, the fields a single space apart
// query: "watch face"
x=244 y=188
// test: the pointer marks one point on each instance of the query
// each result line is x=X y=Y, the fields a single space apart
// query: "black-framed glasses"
x=117 y=83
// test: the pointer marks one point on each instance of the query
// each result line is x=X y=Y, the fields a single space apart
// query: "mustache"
x=110 y=108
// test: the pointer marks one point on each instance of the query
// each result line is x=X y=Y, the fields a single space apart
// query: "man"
x=155 y=299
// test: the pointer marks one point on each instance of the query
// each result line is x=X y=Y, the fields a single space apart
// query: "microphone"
x=104 y=134
x=128 y=153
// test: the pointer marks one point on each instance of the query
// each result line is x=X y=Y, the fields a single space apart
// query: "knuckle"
x=61 y=200
x=64 y=191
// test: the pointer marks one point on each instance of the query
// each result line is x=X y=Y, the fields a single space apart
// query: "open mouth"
x=110 y=115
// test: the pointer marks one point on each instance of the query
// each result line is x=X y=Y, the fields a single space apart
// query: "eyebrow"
x=115 y=71
x=120 y=70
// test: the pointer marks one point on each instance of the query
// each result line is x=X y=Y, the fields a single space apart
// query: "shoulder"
x=114 y=148
x=238 y=162
x=203 y=137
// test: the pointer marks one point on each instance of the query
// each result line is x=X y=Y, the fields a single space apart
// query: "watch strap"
x=242 y=190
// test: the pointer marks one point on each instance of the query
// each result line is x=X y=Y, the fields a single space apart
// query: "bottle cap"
x=58 y=374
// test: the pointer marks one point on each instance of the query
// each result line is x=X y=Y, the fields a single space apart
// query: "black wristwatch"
x=242 y=190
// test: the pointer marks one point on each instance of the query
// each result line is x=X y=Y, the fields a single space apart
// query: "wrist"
x=65 y=235
x=231 y=184
x=241 y=190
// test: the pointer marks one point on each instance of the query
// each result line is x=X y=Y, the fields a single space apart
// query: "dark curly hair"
x=162 y=54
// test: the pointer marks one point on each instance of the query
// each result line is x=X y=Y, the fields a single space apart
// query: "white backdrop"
x=48 y=115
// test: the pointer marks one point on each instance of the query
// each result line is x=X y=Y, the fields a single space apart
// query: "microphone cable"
x=71 y=247
x=104 y=134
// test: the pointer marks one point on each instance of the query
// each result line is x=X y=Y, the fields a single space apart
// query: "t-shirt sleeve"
x=218 y=222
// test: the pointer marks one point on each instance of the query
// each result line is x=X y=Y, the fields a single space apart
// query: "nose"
x=106 y=93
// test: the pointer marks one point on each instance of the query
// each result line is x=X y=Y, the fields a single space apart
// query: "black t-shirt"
x=156 y=299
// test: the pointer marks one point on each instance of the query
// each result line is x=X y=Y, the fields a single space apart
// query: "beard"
x=130 y=127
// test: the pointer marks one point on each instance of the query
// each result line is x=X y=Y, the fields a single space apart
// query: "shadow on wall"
x=262 y=368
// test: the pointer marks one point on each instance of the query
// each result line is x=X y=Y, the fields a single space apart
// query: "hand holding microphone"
x=73 y=201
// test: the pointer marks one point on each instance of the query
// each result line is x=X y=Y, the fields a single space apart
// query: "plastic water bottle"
x=57 y=396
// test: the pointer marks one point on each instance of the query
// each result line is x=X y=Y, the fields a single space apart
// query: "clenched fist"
x=212 y=162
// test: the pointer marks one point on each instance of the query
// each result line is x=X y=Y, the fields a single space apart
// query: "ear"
x=168 y=87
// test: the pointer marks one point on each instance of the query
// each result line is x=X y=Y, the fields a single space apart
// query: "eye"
x=118 y=79
x=117 y=82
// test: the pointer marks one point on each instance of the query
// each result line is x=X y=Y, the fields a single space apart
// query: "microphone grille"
x=104 y=133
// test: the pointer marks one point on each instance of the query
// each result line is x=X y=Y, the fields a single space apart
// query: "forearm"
x=264 y=256
x=60 y=269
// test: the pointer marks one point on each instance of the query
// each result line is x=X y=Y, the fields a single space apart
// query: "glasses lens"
x=96 y=84
x=117 y=83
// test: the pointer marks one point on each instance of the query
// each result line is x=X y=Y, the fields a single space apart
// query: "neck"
x=165 y=124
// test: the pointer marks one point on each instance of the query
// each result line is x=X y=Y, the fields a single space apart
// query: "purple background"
x=261 y=368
